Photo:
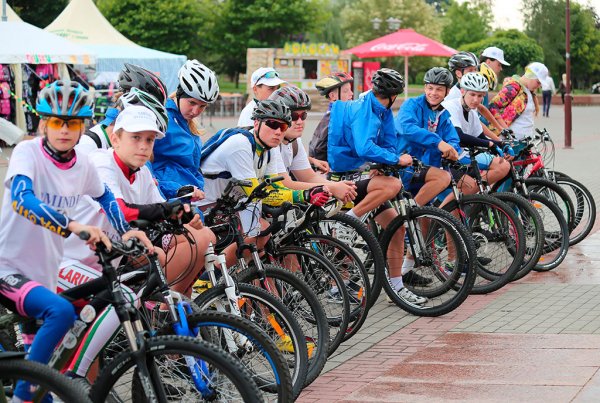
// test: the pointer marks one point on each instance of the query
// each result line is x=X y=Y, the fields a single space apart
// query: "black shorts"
x=361 y=193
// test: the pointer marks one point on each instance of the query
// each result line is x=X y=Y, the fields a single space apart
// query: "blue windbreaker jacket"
x=421 y=129
x=361 y=131
x=177 y=156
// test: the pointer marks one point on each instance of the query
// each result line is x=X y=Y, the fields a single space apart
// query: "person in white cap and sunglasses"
x=264 y=82
x=516 y=104
x=494 y=58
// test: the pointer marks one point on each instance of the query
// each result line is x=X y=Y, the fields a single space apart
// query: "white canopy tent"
x=82 y=23
x=31 y=45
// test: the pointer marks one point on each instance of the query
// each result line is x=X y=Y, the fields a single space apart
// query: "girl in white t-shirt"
x=123 y=169
x=45 y=181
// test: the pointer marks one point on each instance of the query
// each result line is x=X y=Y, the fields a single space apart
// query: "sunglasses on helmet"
x=55 y=123
x=275 y=124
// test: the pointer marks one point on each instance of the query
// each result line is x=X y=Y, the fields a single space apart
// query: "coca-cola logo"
x=400 y=47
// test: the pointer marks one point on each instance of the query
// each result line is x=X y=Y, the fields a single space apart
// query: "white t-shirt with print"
x=246 y=115
x=235 y=156
x=33 y=250
x=524 y=125
x=286 y=161
x=143 y=190
x=472 y=126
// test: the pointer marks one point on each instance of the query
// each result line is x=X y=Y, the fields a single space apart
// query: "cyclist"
x=177 y=157
x=464 y=117
x=317 y=149
x=516 y=105
x=264 y=82
x=291 y=156
x=123 y=169
x=363 y=131
x=130 y=77
x=47 y=179
x=248 y=155
x=494 y=58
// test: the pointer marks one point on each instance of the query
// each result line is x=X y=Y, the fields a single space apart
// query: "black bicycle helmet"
x=462 y=60
x=271 y=109
x=293 y=97
x=387 y=82
x=133 y=76
x=439 y=76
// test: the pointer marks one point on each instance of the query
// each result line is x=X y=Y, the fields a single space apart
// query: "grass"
x=229 y=86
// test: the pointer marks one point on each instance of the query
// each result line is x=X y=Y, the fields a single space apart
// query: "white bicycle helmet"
x=474 y=82
x=198 y=81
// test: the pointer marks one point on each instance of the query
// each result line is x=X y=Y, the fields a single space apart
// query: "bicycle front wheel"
x=181 y=369
x=443 y=254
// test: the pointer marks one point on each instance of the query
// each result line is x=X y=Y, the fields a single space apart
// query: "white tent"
x=29 y=44
x=81 y=22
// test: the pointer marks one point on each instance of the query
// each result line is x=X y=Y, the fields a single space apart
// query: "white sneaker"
x=409 y=297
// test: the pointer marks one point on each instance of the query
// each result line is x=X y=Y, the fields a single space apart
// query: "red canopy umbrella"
x=404 y=42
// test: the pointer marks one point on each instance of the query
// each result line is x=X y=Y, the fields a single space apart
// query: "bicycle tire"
x=362 y=241
x=321 y=277
x=347 y=263
x=457 y=286
x=556 y=233
x=281 y=383
x=14 y=367
x=302 y=301
x=585 y=208
x=238 y=379
x=556 y=194
x=533 y=227
x=284 y=319
x=509 y=237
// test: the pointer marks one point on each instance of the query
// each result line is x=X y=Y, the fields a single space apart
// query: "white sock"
x=351 y=213
x=407 y=265
x=397 y=283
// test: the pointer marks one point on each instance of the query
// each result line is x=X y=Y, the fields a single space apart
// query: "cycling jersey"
x=235 y=156
x=361 y=131
x=177 y=156
x=454 y=93
x=87 y=144
x=421 y=129
x=287 y=161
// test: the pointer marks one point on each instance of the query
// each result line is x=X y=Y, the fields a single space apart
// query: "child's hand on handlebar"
x=140 y=236
x=405 y=160
x=96 y=235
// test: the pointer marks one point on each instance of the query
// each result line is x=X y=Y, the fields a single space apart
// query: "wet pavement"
x=536 y=340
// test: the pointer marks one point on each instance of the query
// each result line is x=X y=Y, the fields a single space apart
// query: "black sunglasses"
x=299 y=115
x=275 y=124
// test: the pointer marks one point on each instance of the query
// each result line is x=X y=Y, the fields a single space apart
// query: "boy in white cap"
x=264 y=82
x=494 y=57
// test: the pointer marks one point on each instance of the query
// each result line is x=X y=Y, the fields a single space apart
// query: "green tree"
x=170 y=26
x=38 y=13
x=467 y=22
x=519 y=49
x=545 y=22
x=234 y=26
x=418 y=15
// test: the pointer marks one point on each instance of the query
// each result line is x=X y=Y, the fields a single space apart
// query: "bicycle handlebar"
x=132 y=247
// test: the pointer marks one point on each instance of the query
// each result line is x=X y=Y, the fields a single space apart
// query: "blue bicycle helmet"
x=65 y=99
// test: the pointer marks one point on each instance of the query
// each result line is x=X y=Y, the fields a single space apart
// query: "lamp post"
x=568 y=117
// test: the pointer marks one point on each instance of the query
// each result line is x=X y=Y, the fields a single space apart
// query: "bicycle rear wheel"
x=445 y=258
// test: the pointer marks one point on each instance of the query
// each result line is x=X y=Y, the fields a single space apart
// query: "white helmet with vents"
x=198 y=81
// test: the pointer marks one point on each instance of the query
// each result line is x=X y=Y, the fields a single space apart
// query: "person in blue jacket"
x=361 y=132
x=426 y=132
x=177 y=156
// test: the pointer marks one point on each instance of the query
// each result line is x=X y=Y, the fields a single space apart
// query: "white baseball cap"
x=137 y=118
x=495 y=53
x=267 y=76
x=539 y=70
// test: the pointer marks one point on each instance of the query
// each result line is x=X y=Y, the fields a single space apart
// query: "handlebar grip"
x=274 y=179
x=84 y=235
